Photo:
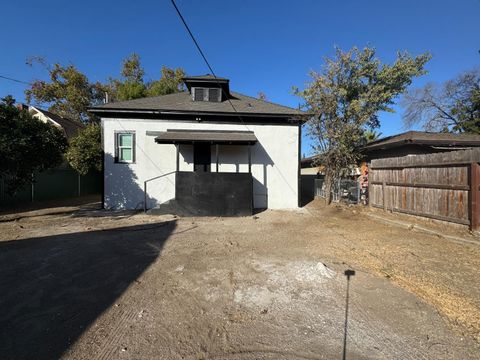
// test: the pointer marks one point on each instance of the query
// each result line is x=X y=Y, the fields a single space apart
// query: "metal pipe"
x=178 y=156
x=216 y=155
x=33 y=188
x=145 y=188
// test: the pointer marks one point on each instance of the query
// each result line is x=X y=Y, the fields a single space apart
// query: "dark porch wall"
x=214 y=194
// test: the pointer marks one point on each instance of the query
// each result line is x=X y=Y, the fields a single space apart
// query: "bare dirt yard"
x=80 y=283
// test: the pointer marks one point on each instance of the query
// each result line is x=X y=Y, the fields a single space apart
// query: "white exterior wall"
x=274 y=163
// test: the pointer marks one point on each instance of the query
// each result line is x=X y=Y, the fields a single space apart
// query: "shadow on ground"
x=52 y=288
x=53 y=206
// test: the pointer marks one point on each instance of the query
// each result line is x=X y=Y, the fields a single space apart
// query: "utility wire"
x=15 y=80
x=205 y=59
x=215 y=76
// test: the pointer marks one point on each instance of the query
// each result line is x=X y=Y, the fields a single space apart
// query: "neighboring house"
x=60 y=182
x=69 y=127
x=208 y=150
x=417 y=143
x=433 y=175
x=310 y=167
x=408 y=143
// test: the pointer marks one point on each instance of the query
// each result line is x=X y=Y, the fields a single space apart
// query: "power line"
x=218 y=82
x=15 y=80
x=205 y=59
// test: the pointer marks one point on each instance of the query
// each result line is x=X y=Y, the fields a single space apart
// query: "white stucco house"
x=207 y=150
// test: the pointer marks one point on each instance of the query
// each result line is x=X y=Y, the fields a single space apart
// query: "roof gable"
x=70 y=127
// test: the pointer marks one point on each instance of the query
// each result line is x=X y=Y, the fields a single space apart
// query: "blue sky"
x=264 y=46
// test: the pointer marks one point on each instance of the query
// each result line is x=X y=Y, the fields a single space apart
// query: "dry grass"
x=441 y=272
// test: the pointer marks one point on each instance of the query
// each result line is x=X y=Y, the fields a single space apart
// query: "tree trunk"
x=328 y=188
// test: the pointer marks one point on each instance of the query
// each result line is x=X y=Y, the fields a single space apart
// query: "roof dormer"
x=208 y=88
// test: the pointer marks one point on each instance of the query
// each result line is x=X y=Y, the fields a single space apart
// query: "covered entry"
x=206 y=190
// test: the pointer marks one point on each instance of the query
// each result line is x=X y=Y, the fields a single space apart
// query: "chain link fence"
x=343 y=190
x=59 y=183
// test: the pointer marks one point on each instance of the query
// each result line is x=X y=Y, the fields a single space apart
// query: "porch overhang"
x=201 y=136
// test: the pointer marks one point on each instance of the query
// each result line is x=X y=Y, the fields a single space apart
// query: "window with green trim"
x=125 y=147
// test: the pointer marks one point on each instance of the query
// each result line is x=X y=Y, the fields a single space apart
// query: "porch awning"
x=213 y=137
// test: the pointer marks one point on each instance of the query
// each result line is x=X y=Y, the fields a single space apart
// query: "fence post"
x=369 y=186
x=33 y=188
x=358 y=189
x=384 y=193
x=474 y=197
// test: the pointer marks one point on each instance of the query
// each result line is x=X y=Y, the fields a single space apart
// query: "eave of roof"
x=424 y=138
x=181 y=103
x=189 y=112
x=206 y=78
x=213 y=137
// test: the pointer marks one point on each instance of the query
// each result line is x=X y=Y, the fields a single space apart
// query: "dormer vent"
x=206 y=94
x=198 y=94
x=208 y=88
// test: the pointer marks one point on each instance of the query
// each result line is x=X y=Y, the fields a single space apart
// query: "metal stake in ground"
x=347 y=273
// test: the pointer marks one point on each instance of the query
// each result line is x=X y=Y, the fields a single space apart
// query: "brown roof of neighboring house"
x=309 y=161
x=425 y=138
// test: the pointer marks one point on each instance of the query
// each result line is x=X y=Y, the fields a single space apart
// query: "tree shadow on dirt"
x=53 y=288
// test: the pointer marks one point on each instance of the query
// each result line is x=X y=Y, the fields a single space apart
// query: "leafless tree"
x=452 y=106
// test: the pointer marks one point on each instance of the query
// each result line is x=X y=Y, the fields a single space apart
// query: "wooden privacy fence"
x=442 y=186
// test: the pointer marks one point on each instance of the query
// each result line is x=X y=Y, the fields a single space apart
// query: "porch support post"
x=216 y=156
x=178 y=156
x=249 y=159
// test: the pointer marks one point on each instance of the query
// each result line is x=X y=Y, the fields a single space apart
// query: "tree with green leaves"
x=27 y=145
x=85 y=150
x=171 y=81
x=132 y=85
x=68 y=93
x=345 y=99
x=370 y=135
x=453 y=106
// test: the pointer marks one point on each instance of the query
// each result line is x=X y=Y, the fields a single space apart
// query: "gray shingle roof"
x=182 y=102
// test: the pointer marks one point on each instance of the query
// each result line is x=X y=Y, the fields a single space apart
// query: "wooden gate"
x=442 y=186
